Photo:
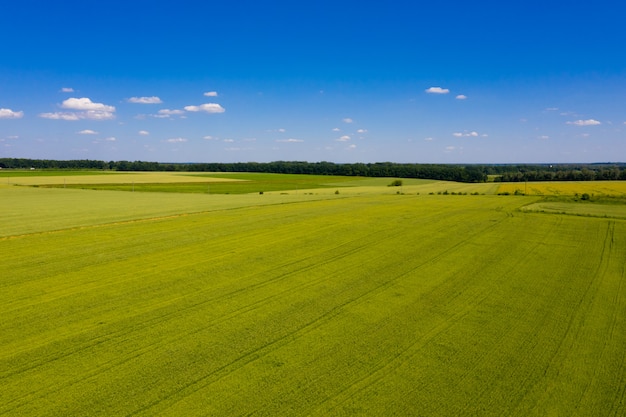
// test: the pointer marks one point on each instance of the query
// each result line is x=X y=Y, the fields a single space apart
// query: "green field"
x=373 y=301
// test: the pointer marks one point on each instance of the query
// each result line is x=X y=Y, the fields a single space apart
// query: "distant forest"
x=446 y=172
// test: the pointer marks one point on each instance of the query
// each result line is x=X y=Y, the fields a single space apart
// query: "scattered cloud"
x=211 y=94
x=461 y=97
x=110 y=139
x=67 y=90
x=552 y=109
x=336 y=129
x=344 y=138
x=467 y=134
x=60 y=116
x=437 y=90
x=353 y=146
x=544 y=137
x=209 y=138
x=207 y=107
x=145 y=100
x=10 y=114
x=450 y=148
x=86 y=110
x=588 y=122
x=361 y=131
x=347 y=120
x=290 y=140
x=176 y=140
x=229 y=140
x=282 y=130
x=143 y=132
x=87 y=132
x=165 y=113
x=428 y=139
x=86 y=104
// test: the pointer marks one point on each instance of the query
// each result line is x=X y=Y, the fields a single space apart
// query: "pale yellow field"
x=613 y=188
x=114 y=177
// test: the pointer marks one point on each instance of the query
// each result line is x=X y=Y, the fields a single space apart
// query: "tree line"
x=444 y=172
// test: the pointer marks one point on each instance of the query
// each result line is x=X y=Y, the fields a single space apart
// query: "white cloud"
x=467 y=134
x=588 y=122
x=353 y=146
x=336 y=129
x=10 y=114
x=344 y=138
x=552 y=109
x=145 y=100
x=461 y=97
x=110 y=139
x=347 y=120
x=211 y=94
x=229 y=140
x=428 y=139
x=437 y=90
x=86 y=104
x=143 y=132
x=96 y=115
x=60 y=116
x=87 y=132
x=176 y=140
x=282 y=130
x=290 y=140
x=544 y=137
x=165 y=113
x=207 y=107
x=361 y=131
x=67 y=90
x=87 y=110
x=209 y=138
x=450 y=148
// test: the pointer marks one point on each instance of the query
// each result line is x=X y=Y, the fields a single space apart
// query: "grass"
x=362 y=303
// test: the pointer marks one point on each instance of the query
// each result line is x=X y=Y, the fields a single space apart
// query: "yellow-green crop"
x=349 y=304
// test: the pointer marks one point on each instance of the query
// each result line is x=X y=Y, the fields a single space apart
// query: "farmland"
x=343 y=296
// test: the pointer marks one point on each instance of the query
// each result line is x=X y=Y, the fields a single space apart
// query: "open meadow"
x=336 y=296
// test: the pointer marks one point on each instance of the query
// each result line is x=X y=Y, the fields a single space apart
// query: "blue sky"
x=340 y=81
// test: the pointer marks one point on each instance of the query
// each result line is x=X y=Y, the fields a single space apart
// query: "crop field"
x=367 y=302
x=600 y=188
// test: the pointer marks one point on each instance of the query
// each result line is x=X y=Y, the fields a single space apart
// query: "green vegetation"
x=246 y=183
x=309 y=303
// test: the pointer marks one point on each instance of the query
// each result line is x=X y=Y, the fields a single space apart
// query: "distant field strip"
x=614 y=188
x=434 y=305
x=27 y=210
x=579 y=209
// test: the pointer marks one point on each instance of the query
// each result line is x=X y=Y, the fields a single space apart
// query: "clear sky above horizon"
x=339 y=81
